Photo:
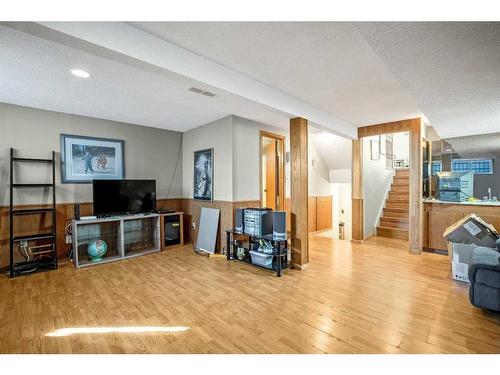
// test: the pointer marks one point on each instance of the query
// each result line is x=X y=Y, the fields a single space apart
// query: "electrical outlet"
x=193 y=225
x=68 y=239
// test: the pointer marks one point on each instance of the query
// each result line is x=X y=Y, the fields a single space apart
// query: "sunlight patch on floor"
x=92 y=330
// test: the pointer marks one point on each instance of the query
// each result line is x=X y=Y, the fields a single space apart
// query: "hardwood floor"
x=370 y=298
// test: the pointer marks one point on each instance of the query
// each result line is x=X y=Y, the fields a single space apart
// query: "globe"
x=96 y=250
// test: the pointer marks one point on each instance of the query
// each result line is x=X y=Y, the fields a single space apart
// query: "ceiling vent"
x=202 y=92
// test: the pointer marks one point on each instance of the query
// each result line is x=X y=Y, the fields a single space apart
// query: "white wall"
x=246 y=158
x=401 y=145
x=219 y=136
x=150 y=153
x=341 y=176
x=318 y=173
x=376 y=182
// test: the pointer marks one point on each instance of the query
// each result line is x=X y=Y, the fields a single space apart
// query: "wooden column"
x=299 y=192
x=416 y=188
x=357 y=191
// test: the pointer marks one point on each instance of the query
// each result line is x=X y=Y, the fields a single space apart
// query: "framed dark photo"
x=84 y=159
x=203 y=175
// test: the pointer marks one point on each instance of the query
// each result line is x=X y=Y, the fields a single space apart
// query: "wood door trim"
x=414 y=127
x=282 y=189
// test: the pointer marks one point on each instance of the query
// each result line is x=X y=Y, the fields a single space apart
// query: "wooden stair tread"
x=392 y=232
x=393 y=229
x=396 y=212
x=397 y=209
x=394 y=221
x=390 y=218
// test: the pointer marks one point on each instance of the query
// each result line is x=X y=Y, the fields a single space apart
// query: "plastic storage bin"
x=460 y=256
x=262 y=259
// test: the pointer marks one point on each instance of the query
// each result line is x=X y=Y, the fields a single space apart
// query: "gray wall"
x=149 y=152
x=483 y=181
x=217 y=135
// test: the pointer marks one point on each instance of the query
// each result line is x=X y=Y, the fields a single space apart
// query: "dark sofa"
x=484 y=276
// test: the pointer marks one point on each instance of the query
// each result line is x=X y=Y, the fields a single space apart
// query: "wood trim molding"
x=357 y=191
x=387 y=127
x=300 y=267
x=415 y=128
x=282 y=179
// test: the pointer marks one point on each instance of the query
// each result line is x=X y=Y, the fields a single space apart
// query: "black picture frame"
x=73 y=178
x=203 y=176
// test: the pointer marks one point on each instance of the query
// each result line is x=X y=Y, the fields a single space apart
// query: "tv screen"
x=124 y=196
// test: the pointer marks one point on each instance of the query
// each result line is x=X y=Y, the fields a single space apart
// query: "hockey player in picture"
x=87 y=162
x=102 y=161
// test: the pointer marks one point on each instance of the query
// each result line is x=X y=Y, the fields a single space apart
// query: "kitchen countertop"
x=476 y=203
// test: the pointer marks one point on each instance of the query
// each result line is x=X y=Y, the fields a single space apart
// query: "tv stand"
x=126 y=236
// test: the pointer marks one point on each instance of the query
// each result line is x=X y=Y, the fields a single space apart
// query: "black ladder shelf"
x=43 y=260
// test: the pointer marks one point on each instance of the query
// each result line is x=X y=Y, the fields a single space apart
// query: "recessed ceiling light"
x=80 y=73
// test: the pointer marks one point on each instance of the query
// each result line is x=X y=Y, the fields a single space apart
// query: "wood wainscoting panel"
x=29 y=224
x=192 y=211
x=324 y=212
x=288 y=209
x=312 y=215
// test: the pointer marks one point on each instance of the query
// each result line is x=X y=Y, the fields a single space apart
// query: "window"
x=435 y=167
x=478 y=166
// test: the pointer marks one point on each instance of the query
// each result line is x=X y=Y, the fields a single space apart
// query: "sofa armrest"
x=484 y=259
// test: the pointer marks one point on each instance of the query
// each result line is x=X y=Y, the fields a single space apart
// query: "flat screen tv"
x=113 y=197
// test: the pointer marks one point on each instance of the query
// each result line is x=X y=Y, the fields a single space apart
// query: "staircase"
x=394 y=220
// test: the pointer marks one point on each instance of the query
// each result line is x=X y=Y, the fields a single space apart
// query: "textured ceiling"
x=34 y=72
x=326 y=64
x=477 y=146
x=451 y=69
x=362 y=73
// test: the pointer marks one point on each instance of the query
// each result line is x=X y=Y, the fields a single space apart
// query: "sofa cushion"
x=484 y=296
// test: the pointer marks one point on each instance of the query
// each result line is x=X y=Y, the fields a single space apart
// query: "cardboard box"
x=460 y=256
x=472 y=230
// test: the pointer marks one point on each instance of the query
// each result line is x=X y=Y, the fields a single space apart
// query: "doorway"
x=413 y=175
x=272 y=171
